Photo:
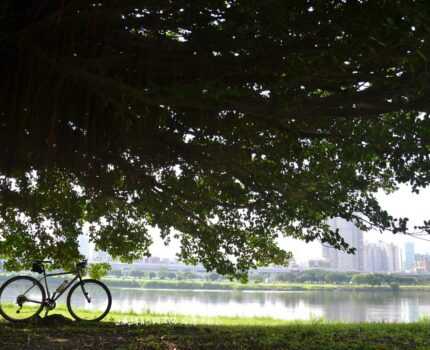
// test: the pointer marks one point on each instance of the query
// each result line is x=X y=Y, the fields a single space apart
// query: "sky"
x=402 y=203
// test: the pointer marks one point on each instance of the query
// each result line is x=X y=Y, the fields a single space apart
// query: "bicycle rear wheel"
x=89 y=300
x=21 y=298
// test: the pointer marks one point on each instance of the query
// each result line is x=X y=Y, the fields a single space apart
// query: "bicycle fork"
x=85 y=293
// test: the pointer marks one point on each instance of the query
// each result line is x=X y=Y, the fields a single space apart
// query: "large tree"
x=225 y=123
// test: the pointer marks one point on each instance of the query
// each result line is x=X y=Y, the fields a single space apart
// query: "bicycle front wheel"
x=89 y=300
x=21 y=298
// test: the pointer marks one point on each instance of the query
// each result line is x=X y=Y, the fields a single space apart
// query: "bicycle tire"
x=5 y=315
x=89 y=282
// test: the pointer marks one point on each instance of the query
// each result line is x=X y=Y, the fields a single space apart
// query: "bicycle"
x=23 y=297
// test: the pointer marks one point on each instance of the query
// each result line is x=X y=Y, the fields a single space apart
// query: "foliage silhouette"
x=225 y=124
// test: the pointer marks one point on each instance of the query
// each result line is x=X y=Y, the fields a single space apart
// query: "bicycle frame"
x=46 y=297
x=56 y=296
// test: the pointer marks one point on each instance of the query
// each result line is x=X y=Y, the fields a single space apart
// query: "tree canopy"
x=224 y=123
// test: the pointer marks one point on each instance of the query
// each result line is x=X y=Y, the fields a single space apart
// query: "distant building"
x=354 y=237
x=422 y=263
x=153 y=260
x=409 y=252
x=394 y=258
x=318 y=263
x=330 y=255
x=376 y=258
x=382 y=257
x=101 y=257
x=293 y=265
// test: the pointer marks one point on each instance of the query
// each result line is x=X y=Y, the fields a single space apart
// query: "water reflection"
x=337 y=305
x=343 y=306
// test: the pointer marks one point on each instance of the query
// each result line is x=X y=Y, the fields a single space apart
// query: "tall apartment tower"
x=394 y=258
x=375 y=258
x=409 y=252
x=354 y=237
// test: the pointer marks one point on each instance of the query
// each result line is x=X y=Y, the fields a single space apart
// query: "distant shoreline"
x=250 y=286
x=236 y=286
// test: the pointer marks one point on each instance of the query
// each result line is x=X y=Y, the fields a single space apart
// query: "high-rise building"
x=375 y=258
x=422 y=263
x=354 y=237
x=330 y=255
x=382 y=257
x=393 y=258
x=409 y=256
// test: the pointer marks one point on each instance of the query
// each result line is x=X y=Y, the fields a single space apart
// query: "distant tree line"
x=307 y=276
x=165 y=274
x=322 y=276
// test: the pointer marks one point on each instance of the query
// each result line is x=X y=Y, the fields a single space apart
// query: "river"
x=336 y=305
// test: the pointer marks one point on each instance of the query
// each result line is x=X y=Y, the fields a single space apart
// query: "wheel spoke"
x=89 y=301
x=21 y=298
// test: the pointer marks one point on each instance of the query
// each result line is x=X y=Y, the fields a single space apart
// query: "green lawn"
x=171 y=336
x=154 y=331
x=171 y=318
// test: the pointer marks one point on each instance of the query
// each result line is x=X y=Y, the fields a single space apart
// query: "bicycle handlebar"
x=82 y=264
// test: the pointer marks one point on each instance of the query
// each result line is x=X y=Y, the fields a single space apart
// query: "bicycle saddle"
x=42 y=262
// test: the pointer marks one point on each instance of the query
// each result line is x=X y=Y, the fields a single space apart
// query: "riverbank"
x=251 y=286
x=172 y=336
x=148 y=317
x=237 y=286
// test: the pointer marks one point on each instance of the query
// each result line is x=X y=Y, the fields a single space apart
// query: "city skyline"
x=380 y=257
x=354 y=237
x=400 y=203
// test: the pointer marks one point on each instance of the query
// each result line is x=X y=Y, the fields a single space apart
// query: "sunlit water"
x=345 y=306
x=336 y=305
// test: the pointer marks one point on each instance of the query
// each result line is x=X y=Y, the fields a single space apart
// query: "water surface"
x=336 y=305
x=333 y=305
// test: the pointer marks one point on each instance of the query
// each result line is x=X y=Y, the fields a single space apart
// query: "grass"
x=170 y=336
x=149 y=317
x=171 y=318
x=169 y=331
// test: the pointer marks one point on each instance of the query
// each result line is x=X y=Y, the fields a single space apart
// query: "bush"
x=98 y=270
